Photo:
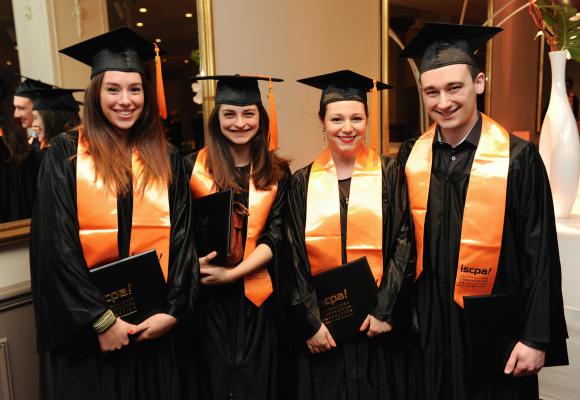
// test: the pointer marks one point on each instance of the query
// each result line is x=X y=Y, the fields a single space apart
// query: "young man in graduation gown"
x=23 y=97
x=484 y=225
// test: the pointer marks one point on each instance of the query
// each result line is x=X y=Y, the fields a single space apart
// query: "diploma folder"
x=491 y=331
x=212 y=224
x=346 y=295
x=134 y=287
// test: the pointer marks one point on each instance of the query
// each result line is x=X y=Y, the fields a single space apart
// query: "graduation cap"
x=120 y=50
x=343 y=85
x=347 y=85
x=29 y=87
x=243 y=90
x=56 y=99
x=439 y=45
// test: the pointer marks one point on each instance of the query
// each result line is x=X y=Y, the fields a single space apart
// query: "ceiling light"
x=188 y=15
x=143 y=10
x=186 y=61
x=139 y=24
x=158 y=40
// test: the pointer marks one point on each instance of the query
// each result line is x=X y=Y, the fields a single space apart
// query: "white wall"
x=292 y=40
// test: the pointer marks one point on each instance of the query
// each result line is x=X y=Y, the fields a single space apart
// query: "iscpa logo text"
x=466 y=269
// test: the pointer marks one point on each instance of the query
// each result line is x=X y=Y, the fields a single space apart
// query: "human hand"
x=153 y=327
x=375 y=326
x=213 y=275
x=524 y=361
x=321 y=341
x=115 y=337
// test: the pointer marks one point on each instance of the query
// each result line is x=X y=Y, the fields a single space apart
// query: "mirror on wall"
x=406 y=17
x=172 y=24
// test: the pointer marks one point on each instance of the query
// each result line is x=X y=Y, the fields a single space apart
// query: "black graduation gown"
x=66 y=302
x=529 y=266
x=236 y=343
x=17 y=186
x=363 y=368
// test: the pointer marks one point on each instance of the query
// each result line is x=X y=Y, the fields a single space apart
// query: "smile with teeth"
x=347 y=139
x=124 y=113
x=447 y=114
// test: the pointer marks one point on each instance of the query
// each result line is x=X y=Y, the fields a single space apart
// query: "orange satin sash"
x=97 y=214
x=483 y=215
x=257 y=285
x=364 y=232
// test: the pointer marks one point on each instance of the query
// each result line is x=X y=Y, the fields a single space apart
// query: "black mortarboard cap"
x=56 y=99
x=29 y=88
x=439 y=45
x=343 y=85
x=118 y=50
x=239 y=90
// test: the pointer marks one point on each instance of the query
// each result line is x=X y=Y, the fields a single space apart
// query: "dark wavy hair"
x=56 y=122
x=267 y=167
x=108 y=149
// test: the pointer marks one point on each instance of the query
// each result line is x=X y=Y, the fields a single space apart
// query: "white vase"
x=559 y=143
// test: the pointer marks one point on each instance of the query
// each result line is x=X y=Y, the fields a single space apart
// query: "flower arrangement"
x=559 y=23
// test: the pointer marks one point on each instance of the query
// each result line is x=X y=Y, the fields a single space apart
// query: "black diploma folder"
x=212 y=224
x=346 y=295
x=134 y=287
x=491 y=324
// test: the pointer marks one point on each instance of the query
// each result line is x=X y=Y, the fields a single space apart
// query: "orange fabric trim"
x=484 y=212
x=258 y=284
x=97 y=215
x=364 y=219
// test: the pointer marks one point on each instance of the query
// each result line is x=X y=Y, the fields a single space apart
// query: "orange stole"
x=364 y=227
x=97 y=215
x=483 y=215
x=257 y=285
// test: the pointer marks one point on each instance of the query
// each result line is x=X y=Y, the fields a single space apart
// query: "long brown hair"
x=267 y=167
x=108 y=149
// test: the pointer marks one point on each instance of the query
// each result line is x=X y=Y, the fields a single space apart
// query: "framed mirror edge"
x=14 y=232
x=19 y=231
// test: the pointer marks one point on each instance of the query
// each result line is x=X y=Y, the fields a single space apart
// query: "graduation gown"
x=529 y=267
x=17 y=186
x=364 y=368
x=66 y=302
x=235 y=343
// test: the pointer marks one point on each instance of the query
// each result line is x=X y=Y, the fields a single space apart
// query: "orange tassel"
x=273 y=141
x=374 y=116
x=159 y=81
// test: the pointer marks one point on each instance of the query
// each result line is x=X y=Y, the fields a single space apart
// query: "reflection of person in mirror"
x=572 y=98
x=54 y=111
x=17 y=166
x=110 y=189
x=485 y=231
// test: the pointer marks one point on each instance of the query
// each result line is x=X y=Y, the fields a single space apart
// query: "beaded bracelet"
x=104 y=322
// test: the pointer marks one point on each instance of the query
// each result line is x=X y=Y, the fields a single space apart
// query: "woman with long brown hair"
x=235 y=332
x=112 y=189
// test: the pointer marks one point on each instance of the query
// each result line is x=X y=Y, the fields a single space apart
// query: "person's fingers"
x=366 y=323
x=330 y=340
x=511 y=363
x=207 y=258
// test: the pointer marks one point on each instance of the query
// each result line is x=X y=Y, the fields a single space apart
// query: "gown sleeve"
x=398 y=239
x=301 y=294
x=66 y=302
x=536 y=238
x=183 y=279
x=273 y=234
